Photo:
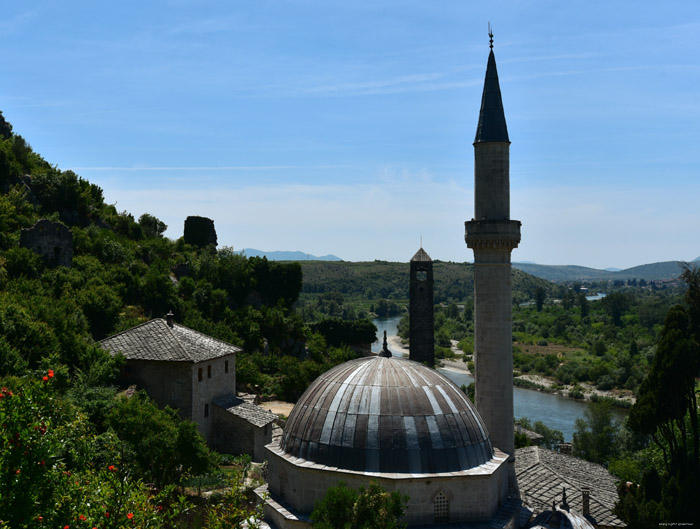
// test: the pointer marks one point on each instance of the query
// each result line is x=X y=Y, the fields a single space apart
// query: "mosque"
x=400 y=423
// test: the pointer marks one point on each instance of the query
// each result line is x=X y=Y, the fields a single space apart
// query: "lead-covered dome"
x=386 y=415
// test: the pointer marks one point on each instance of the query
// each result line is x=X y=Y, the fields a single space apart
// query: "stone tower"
x=493 y=235
x=421 y=326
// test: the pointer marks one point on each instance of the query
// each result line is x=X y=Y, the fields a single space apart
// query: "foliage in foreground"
x=371 y=508
x=667 y=413
x=54 y=472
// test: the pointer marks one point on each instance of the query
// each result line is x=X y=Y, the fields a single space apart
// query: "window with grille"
x=442 y=508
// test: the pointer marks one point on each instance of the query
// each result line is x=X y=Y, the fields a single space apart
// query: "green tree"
x=667 y=411
x=595 y=435
x=5 y=128
x=371 y=508
x=616 y=303
x=583 y=305
x=540 y=296
x=152 y=227
x=161 y=448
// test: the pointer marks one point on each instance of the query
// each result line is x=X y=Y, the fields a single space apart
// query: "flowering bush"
x=50 y=477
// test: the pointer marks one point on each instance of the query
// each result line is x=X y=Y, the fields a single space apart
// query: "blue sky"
x=347 y=127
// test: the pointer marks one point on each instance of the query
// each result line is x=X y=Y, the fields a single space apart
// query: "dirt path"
x=278 y=407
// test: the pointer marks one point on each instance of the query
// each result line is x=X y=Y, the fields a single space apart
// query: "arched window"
x=441 y=506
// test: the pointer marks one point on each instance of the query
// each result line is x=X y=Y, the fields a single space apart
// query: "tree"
x=667 y=411
x=616 y=303
x=162 y=449
x=5 y=128
x=371 y=508
x=595 y=436
x=152 y=227
x=583 y=305
x=551 y=438
x=540 y=296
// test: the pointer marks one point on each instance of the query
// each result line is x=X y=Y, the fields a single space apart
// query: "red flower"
x=82 y=517
x=50 y=373
x=67 y=527
x=106 y=515
x=111 y=468
x=40 y=518
x=130 y=515
x=17 y=471
x=46 y=379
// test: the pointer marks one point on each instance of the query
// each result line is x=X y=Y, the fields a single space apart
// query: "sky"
x=347 y=127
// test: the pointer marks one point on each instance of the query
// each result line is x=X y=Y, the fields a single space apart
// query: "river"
x=554 y=411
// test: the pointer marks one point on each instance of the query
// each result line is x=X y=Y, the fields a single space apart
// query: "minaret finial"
x=490 y=37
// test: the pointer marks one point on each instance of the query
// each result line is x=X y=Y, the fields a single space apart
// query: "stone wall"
x=52 y=240
x=234 y=435
x=473 y=496
x=200 y=231
x=167 y=383
x=215 y=382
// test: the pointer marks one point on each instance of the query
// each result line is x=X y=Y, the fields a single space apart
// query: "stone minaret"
x=421 y=332
x=493 y=235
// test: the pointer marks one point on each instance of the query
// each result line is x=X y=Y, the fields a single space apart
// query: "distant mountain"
x=288 y=256
x=696 y=260
x=612 y=269
x=648 y=272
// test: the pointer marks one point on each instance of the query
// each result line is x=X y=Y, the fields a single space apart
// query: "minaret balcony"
x=492 y=234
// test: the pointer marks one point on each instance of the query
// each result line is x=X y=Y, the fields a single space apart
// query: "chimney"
x=170 y=319
x=586 y=500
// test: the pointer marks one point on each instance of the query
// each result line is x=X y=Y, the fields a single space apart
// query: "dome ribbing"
x=386 y=415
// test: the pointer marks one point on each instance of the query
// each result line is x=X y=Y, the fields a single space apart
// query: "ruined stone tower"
x=493 y=235
x=421 y=326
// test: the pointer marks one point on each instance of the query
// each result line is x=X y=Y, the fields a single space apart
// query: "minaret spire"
x=492 y=118
x=493 y=235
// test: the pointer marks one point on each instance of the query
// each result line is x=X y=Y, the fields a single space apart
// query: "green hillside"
x=389 y=280
x=649 y=272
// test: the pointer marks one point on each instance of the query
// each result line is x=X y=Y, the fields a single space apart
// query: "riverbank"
x=617 y=397
x=581 y=392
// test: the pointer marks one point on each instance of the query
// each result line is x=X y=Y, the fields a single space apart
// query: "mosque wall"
x=473 y=495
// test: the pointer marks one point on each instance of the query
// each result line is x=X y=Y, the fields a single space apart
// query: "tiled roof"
x=421 y=255
x=252 y=413
x=542 y=475
x=156 y=340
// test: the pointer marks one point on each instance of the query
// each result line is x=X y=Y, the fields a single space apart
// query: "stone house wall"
x=178 y=385
x=235 y=435
x=167 y=383
x=211 y=379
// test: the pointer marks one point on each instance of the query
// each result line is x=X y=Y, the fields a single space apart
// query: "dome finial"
x=490 y=37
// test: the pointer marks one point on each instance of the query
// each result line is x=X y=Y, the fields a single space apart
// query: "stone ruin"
x=199 y=231
x=52 y=240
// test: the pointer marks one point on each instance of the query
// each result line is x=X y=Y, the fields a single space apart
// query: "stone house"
x=190 y=371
